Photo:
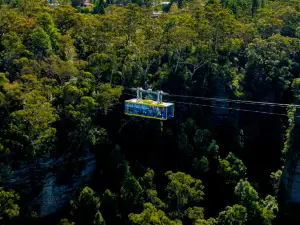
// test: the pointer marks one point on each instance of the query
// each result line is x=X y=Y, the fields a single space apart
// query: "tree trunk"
x=146 y=72
x=177 y=63
x=178 y=207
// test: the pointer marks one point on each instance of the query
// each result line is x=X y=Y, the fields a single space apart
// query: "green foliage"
x=269 y=63
x=246 y=192
x=34 y=215
x=13 y=49
x=197 y=144
x=37 y=112
x=210 y=221
x=296 y=88
x=109 y=206
x=34 y=121
x=86 y=132
x=268 y=209
x=189 y=127
x=260 y=211
x=240 y=7
x=147 y=180
x=65 y=48
x=65 y=222
x=99 y=219
x=235 y=214
x=194 y=213
x=151 y=195
x=40 y=42
x=3 y=80
x=201 y=165
x=85 y=206
x=54 y=61
x=151 y=215
x=232 y=168
x=108 y=197
x=202 y=140
x=86 y=199
x=289 y=132
x=183 y=189
x=8 y=204
x=106 y=96
x=45 y=20
x=174 y=7
x=131 y=191
x=275 y=178
x=184 y=146
x=100 y=65
x=99 y=7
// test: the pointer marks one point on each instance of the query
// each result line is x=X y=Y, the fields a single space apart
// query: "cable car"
x=148 y=108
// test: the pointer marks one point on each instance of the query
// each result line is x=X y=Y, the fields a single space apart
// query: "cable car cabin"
x=149 y=109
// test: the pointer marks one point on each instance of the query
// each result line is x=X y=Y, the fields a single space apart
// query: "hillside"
x=70 y=155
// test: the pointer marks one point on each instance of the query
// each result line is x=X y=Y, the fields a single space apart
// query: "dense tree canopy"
x=66 y=67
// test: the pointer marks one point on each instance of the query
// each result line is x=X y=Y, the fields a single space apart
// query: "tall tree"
x=183 y=189
x=255 y=5
x=236 y=214
x=99 y=7
x=131 y=191
x=8 y=206
x=40 y=43
x=85 y=206
x=151 y=215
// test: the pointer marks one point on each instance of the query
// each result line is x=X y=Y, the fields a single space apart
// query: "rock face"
x=48 y=186
x=220 y=109
x=289 y=194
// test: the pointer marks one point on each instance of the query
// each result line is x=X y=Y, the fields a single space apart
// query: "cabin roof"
x=153 y=102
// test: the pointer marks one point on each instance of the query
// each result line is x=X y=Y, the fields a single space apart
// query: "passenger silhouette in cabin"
x=150 y=111
x=160 y=112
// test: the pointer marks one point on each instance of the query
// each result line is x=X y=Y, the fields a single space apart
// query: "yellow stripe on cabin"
x=148 y=103
x=145 y=116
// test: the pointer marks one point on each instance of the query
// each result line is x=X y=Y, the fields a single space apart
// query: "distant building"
x=155 y=3
x=165 y=3
x=156 y=13
x=86 y=3
x=53 y=3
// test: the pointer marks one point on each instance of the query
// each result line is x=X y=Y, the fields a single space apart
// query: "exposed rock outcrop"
x=49 y=185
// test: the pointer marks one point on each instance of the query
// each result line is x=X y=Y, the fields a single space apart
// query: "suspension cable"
x=229 y=108
x=229 y=100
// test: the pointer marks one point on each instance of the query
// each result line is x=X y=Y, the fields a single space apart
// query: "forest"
x=66 y=69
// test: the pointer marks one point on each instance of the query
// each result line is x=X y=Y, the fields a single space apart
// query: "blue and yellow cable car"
x=149 y=108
